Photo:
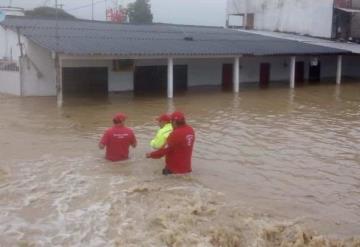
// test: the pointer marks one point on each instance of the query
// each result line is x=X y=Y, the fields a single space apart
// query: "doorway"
x=315 y=72
x=299 y=73
x=85 y=81
x=265 y=69
x=227 y=77
x=153 y=79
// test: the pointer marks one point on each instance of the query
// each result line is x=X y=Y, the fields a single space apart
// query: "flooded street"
x=271 y=167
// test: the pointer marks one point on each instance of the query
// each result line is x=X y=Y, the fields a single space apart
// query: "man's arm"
x=134 y=141
x=104 y=140
x=134 y=144
x=101 y=146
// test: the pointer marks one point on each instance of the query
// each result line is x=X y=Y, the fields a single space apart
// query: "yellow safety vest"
x=161 y=136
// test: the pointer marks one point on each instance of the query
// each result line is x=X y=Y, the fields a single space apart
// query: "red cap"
x=120 y=117
x=178 y=116
x=164 y=118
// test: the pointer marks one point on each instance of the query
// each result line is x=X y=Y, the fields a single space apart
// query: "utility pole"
x=92 y=9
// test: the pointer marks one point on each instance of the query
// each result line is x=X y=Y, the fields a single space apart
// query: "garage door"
x=153 y=79
x=85 y=81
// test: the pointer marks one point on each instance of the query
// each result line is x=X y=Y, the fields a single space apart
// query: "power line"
x=87 y=5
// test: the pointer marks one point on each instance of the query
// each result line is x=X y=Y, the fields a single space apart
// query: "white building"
x=56 y=58
x=325 y=18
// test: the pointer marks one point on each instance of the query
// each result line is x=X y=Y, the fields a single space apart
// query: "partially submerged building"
x=332 y=19
x=55 y=58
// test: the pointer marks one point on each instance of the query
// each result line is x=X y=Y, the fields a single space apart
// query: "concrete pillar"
x=236 y=76
x=170 y=77
x=59 y=82
x=339 y=70
x=292 y=71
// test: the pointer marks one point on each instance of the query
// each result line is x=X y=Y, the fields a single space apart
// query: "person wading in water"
x=118 y=140
x=163 y=133
x=179 y=147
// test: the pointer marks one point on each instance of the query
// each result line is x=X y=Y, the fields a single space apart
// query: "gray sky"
x=197 y=12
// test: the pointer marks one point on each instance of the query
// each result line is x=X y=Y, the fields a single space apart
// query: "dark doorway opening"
x=153 y=79
x=250 y=21
x=299 y=73
x=85 y=81
x=227 y=77
x=265 y=69
x=180 y=78
x=150 y=79
x=315 y=72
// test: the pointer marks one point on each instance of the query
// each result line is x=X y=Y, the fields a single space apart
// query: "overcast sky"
x=197 y=12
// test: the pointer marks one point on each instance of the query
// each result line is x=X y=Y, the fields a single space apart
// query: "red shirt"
x=178 y=150
x=117 y=141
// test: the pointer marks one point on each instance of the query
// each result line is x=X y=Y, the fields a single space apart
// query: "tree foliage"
x=49 y=12
x=139 y=12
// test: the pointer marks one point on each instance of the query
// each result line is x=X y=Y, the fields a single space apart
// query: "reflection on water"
x=269 y=165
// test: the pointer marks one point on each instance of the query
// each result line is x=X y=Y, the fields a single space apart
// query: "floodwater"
x=275 y=167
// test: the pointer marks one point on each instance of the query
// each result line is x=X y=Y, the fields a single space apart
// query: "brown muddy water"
x=274 y=167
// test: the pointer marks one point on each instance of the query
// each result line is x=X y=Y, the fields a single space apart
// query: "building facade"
x=332 y=19
x=65 y=57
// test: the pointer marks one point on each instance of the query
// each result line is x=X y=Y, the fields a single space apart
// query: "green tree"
x=139 y=12
x=49 y=12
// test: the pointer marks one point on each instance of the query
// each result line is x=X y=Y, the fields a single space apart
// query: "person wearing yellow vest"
x=163 y=133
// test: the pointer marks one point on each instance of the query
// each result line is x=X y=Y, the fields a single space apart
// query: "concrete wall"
x=307 y=17
x=118 y=81
x=10 y=82
x=38 y=71
x=9 y=48
x=201 y=72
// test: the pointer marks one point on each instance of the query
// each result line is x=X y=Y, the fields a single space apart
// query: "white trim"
x=69 y=57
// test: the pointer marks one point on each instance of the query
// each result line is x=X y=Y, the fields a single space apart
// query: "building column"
x=236 y=76
x=292 y=71
x=170 y=78
x=339 y=70
x=59 y=82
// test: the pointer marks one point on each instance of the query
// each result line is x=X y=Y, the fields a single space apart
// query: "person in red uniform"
x=179 y=147
x=118 y=140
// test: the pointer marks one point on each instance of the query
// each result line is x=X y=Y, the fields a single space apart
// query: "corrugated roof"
x=80 y=37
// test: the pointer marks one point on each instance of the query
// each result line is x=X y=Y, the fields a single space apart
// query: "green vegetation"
x=49 y=12
x=139 y=12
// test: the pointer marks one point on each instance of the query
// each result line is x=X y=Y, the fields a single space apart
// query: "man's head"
x=119 y=119
x=163 y=120
x=178 y=119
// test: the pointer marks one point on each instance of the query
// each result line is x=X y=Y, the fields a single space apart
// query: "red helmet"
x=178 y=116
x=164 y=118
x=119 y=117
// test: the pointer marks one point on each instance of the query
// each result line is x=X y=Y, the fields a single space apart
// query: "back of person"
x=181 y=141
x=117 y=140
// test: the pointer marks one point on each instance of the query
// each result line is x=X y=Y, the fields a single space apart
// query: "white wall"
x=306 y=17
x=34 y=83
x=208 y=72
x=118 y=81
x=9 y=44
x=10 y=82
